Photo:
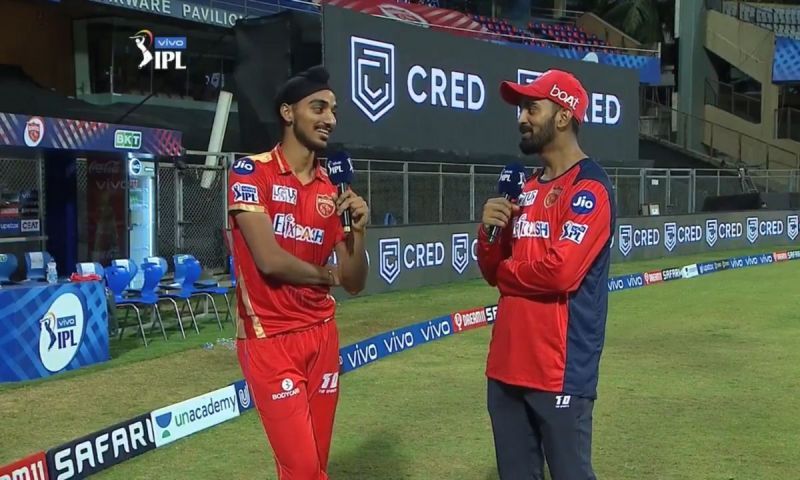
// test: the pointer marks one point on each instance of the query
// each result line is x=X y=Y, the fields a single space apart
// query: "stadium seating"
x=543 y=34
x=118 y=279
x=783 y=20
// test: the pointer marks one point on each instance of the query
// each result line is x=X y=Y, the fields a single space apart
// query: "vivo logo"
x=170 y=43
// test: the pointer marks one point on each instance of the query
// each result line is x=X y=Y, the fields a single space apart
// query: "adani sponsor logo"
x=653 y=277
x=704 y=268
x=193 y=415
x=33 y=467
x=101 y=450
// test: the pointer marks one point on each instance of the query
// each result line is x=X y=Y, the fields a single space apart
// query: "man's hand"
x=497 y=212
x=359 y=211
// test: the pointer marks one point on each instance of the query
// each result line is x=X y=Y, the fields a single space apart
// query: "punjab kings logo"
x=325 y=206
x=372 y=84
x=551 y=197
x=34 y=131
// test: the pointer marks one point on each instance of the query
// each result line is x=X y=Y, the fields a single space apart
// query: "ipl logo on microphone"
x=461 y=253
x=168 y=50
x=372 y=63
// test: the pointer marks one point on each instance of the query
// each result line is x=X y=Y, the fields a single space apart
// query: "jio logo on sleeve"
x=583 y=202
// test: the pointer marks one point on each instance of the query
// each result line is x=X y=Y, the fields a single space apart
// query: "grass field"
x=698 y=380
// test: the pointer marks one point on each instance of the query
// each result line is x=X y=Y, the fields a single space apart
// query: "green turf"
x=697 y=380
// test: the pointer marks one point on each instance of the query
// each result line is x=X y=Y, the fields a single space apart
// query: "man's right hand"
x=497 y=212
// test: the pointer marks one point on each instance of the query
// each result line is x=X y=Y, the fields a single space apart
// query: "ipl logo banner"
x=372 y=63
x=61 y=332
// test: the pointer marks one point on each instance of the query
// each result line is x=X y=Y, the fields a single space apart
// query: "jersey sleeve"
x=490 y=255
x=247 y=187
x=583 y=233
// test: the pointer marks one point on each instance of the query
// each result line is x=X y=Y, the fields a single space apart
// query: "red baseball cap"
x=557 y=85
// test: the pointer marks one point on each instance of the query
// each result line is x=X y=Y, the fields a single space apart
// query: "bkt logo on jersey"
x=630 y=238
x=603 y=108
x=372 y=62
x=792 y=226
x=461 y=252
x=674 y=235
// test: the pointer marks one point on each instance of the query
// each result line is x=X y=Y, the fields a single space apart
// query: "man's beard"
x=535 y=143
x=313 y=144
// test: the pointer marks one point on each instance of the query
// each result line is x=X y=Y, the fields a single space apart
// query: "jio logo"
x=583 y=202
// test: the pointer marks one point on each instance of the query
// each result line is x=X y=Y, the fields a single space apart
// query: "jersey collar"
x=286 y=169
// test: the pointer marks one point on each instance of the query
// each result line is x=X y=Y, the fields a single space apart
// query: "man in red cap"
x=551 y=268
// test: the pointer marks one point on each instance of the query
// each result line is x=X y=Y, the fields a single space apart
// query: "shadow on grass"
x=375 y=457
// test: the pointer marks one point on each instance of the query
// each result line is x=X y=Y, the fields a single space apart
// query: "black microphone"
x=509 y=185
x=340 y=171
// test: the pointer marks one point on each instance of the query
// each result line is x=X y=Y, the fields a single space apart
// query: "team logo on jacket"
x=551 y=197
x=325 y=206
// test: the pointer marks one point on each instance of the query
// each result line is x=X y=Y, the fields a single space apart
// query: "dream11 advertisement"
x=106 y=189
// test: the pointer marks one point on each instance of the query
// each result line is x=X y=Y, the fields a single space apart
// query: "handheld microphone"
x=509 y=185
x=340 y=171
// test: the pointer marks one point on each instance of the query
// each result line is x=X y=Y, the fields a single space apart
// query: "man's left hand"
x=359 y=211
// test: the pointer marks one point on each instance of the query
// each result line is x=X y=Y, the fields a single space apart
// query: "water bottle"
x=52 y=273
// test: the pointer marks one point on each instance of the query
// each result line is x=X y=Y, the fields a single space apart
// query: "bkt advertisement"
x=401 y=86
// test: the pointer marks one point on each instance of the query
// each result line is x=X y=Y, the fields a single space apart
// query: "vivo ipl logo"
x=370 y=59
x=461 y=252
x=625 y=239
x=389 y=249
x=61 y=332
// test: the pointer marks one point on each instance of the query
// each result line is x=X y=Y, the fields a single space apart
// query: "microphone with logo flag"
x=340 y=171
x=509 y=185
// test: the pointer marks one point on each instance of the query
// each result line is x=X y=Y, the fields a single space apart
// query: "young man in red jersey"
x=550 y=265
x=285 y=222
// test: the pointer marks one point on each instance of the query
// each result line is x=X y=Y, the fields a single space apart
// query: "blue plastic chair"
x=8 y=265
x=117 y=280
x=187 y=290
x=180 y=261
x=221 y=291
x=38 y=273
x=130 y=266
x=193 y=270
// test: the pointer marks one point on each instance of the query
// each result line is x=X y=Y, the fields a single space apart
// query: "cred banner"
x=403 y=86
